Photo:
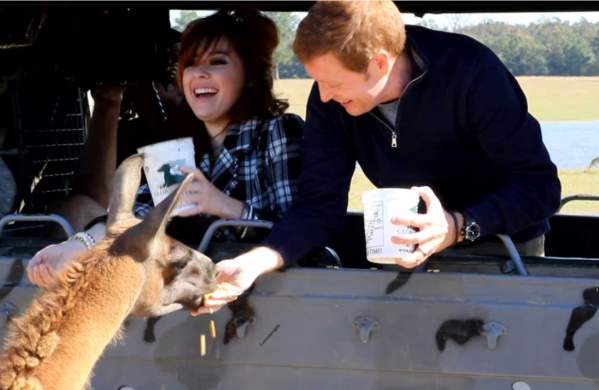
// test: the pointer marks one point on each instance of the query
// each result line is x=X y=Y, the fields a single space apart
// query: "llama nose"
x=211 y=276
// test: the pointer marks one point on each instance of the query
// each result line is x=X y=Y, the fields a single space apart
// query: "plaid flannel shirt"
x=259 y=164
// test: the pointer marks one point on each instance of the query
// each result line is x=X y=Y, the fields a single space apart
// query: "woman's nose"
x=202 y=73
x=199 y=71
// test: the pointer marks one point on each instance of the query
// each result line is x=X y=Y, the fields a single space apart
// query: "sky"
x=443 y=20
x=508 y=17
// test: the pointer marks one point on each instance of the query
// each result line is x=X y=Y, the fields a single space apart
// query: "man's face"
x=356 y=92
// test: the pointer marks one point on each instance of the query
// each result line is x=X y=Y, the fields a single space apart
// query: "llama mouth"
x=193 y=303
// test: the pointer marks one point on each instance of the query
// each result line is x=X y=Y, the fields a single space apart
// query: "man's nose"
x=325 y=94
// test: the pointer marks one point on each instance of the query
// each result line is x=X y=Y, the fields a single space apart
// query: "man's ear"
x=381 y=63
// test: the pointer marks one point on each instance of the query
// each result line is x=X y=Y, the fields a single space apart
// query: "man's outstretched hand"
x=237 y=275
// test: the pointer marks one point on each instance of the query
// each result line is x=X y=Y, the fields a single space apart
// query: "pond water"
x=571 y=144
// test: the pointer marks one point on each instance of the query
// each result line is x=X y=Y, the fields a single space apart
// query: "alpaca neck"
x=91 y=324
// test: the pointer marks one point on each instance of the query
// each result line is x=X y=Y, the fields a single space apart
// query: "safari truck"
x=459 y=322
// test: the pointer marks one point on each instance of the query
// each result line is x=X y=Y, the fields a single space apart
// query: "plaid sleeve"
x=284 y=164
x=143 y=202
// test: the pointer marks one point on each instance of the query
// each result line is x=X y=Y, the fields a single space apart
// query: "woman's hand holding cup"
x=203 y=197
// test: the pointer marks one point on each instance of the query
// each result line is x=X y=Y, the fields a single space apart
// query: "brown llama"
x=137 y=269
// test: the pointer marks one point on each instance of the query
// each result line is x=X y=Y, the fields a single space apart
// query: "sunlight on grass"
x=574 y=181
x=580 y=181
x=562 y=98
x=550 y=98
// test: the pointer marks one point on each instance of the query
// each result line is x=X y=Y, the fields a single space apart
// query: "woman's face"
x=213 y=82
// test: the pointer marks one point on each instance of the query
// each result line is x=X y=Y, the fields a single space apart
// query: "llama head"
x=175 y=275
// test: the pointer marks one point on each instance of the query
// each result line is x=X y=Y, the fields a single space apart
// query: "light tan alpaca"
x=136 y=270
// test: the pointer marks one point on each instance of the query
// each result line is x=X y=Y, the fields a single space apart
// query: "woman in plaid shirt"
x=250 y=165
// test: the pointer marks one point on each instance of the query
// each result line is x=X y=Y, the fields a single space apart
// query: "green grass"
x=549 y=99
x=562 y=98
x=574 y=181
x=580 y=181
x=296 y=91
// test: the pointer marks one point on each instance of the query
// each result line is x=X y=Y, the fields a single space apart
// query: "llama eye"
x=180 y=264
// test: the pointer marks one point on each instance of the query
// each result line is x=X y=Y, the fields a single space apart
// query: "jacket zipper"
x=392 y=130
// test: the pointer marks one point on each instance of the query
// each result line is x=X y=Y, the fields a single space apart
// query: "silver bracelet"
x=85 y=238
x=247 y=212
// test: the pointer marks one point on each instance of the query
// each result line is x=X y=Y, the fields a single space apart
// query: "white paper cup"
x=162 y=163
x=380 y=205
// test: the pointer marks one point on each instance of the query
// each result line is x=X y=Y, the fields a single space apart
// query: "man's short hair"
x=352 y=30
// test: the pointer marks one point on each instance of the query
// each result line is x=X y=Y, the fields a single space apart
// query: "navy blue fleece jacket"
x=463 y=128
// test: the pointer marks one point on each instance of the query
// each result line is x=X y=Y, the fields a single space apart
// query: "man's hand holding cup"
x=435 y=230
x=397 y=234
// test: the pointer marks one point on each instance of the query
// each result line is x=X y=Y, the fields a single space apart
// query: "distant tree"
x=287 y=24
x=293 y=70
x=514 y=45
x=567 y=52
x=429 y=23
x=593 y=67
x=457 y=21
x=595 y=45
x=523 y=55
x=587 y=30
x=184 y=18
x=577 y=55
x=548 y=46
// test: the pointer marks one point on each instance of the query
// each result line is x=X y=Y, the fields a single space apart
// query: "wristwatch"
x=470 y=231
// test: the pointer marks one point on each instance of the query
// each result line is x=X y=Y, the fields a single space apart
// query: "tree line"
x=546 y=47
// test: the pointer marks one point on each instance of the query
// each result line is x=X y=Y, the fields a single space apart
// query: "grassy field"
x=296 y=92
x=562 y=98
x=549 y=99
x=574 y=181
x=580 y=181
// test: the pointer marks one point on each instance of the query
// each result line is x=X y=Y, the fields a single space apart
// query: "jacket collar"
x=416 y=50
x=240 y=141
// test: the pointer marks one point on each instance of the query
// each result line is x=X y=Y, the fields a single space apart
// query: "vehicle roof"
x=416 y=7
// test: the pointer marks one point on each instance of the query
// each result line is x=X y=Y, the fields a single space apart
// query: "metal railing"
x=576 y=197
x=257 y=223
x=66 y=226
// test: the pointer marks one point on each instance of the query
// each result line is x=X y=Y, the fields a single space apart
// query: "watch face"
x=472 y=231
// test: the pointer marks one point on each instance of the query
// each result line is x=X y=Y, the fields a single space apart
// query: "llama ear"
x=124 y=189
x=155 y=222
x=137 y=240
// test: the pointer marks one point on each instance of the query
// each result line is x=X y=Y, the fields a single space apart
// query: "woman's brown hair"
x=254 y=37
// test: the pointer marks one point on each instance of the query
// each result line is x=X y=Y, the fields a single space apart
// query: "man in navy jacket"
x=417 y=108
